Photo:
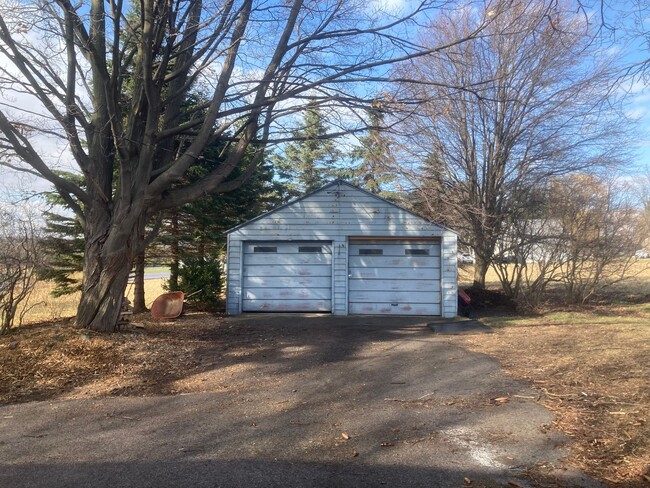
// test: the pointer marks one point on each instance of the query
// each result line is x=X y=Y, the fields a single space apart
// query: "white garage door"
x=394 y=277
x=287 y=276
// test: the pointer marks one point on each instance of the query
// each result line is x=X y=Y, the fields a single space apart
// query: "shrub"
x=20 y=259
x=203 y=274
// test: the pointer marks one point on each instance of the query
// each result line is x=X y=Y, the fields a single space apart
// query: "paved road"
x=156 y=276
x=152 y=275
x=416 y=411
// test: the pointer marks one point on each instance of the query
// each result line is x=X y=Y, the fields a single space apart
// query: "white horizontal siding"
x=393 y=284
x=390 y=296
x=397 y=274
x=287 y=293
x=449 y=281
x=386 y=279
x=278 y=270
x=233 y=274
x=394 y=262
x=286 y=259
x=336 y=214
x=289 y=281
x=287 y=306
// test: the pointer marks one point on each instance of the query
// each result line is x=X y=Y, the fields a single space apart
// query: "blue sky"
x=626 y=27
x=632 y=49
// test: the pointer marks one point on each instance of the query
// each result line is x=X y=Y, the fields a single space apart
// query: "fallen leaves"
x=500 y=400
x=57 y=359
x=593 y=377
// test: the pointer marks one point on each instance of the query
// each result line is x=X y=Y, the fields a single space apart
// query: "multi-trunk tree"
x=262 y=62
x=541 y=104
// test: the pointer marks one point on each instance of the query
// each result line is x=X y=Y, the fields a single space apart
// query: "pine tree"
x=63 y=244
x=309 y=162
x=193 y=236
x=374 y=171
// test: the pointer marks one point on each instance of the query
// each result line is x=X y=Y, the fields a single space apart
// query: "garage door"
x=287 y=277
x=394 y=277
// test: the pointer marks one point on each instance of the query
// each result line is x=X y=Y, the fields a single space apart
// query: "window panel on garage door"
x=287 y=277
x=394 y=277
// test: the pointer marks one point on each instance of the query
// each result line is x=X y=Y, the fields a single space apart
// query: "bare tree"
x=20 y=259
x=625 y=26
x=582 y=234
x=530 y=254
x=600 y=227
x=540 y=105
x=642 y=193
x=110 y=81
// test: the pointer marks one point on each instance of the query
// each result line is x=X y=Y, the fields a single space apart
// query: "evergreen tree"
x=375 y=170
x=307 y=163
x=63 y=245
x=193 y=236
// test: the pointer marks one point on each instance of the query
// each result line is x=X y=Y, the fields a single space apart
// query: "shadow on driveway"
x=313 y=401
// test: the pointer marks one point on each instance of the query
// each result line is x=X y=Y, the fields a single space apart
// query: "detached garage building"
x=342 y=250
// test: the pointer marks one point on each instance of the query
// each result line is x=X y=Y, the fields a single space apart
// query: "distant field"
x=157 y=269
x=42 y=306
x=638 y=281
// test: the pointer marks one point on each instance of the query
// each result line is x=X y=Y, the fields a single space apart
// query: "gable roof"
x=338 y=182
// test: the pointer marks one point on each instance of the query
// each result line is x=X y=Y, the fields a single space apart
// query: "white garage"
x=341 y=250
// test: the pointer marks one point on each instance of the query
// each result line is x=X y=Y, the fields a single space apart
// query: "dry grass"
x=592 y=369
x=43 y=307
x=591 y=366
x=638 y=277
x=57 y=360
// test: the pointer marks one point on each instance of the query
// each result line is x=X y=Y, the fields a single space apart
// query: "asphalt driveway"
x=346 y=401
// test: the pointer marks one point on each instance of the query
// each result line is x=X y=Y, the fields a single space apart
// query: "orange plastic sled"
x=168 y=305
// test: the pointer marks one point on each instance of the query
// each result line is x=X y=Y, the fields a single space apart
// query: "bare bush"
x=20 y=258
x=530 y=255
x=583 y=235
x=601 y=234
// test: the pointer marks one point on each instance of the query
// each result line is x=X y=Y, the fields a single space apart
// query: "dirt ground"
x=274 y=400
x=589 y=366
x=595 y=377
x=56 y=360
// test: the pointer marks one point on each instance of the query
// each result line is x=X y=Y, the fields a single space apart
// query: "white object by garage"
x=342 y=250
x=287 y=277
x=389 y=277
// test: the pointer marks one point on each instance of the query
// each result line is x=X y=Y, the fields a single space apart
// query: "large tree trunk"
x=103 y=292
x=175 y=252
x=139 y=305
x=108 y=256
x=480 y=271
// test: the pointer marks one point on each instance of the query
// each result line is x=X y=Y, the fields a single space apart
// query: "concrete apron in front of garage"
x=336 y=401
